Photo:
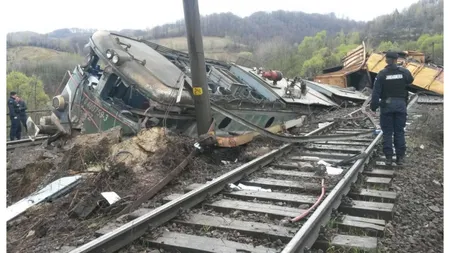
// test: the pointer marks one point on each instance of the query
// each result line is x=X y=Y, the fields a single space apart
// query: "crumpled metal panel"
x=52 y=189
x=311 y=97
x=331 y=90
x=352 y=62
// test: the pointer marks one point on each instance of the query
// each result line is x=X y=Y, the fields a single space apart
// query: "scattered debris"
x=330 y=169
x=435 y=209
x=111 y=197
x=249 y=188
x=437 y=182
x=57 y=187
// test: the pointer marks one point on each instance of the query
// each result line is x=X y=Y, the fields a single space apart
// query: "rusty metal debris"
x=359 y=69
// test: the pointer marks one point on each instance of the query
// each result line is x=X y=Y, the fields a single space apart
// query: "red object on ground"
x=315 y=204
x=272 y=75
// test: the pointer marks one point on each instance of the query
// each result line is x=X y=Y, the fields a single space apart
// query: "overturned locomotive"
x=137 y=84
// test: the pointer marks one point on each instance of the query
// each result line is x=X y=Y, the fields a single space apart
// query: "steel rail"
x=309 y=232
x=134 y=229
x=9 y=143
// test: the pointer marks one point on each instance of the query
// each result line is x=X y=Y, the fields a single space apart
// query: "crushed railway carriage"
x=360 y=68
x=139 y=87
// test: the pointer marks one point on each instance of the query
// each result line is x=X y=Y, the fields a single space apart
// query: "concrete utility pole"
x=198 y=69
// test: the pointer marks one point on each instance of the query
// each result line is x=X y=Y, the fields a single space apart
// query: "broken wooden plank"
x=243 y=227
x=194 y=243
x=365 y=243
x=155 y=189
x=273 y=196
x=378 y=209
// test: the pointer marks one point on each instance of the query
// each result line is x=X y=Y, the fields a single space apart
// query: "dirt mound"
x=137 y=149
x=73 y=218
x=90 y=149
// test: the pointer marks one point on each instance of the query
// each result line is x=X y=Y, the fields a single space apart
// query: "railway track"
x=348 y=212
x=11 y=145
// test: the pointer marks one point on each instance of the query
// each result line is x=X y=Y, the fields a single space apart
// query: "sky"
x=44 y=16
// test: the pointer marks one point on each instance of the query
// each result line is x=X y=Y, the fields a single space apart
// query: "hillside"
x=218 y=48
x=423 y=17
x=283 y=40
x=47 y=64
x=261 y=26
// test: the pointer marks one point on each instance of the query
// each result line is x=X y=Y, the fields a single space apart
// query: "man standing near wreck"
x=23 y=112
x=14 y=116
x=390 y=87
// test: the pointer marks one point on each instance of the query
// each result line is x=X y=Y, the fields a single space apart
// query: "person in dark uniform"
x=390 y=94
x=23 y=112
x=14 y=114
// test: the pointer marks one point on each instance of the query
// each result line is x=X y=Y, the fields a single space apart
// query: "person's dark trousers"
x=15 y=130
x=393 y=122
x=23 y=120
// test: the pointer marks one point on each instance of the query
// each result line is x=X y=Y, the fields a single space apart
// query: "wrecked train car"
x=360 y=68
x=126 y=82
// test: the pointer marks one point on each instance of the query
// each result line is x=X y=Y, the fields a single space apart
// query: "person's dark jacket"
x=14 y=108
x=380 y=81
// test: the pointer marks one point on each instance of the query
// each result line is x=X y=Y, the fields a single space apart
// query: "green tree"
x=29 y=89
x=388 y=45
x=432 y=46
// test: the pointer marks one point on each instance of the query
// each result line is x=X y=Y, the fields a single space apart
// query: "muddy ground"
x=418 y=220
x=109 y=163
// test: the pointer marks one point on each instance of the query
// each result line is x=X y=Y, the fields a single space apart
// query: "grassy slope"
x=27 y=53
x=215 y=47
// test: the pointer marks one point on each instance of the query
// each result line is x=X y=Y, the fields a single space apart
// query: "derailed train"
x=138 y=84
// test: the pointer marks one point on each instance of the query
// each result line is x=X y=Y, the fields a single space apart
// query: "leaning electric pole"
x=198 y=67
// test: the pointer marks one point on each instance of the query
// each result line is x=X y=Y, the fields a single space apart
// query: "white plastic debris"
x=225 y=162
x=334 y=171
x=436 y=183
x=324 y=124
x=422 y=146
x=197 y=146
x=330 y=169
x=253 y=188
x=248 y=188
x=111 y=197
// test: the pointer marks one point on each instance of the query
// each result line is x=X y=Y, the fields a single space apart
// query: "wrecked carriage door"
x=100 y=115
